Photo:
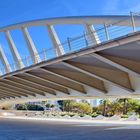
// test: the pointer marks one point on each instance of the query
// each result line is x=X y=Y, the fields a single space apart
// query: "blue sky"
x=15 y=11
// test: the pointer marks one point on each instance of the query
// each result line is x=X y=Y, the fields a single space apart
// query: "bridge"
x=101 y=63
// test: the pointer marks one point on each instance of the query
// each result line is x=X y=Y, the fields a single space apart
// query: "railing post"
x=14 y=66
x=1 y=71
x=44 y=54
x=26 y=61
x=55 y=50
x=69 y=45
x=106 y=32
x=10 y=67
x=4 y=72
x=133 y=21
x=36 y=56
x=85 y=39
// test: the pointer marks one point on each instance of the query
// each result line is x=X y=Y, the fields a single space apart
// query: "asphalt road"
x=12 y=129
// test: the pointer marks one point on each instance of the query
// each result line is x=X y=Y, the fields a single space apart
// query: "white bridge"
x=101 y=63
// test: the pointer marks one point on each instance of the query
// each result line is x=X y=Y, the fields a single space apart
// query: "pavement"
x=35 y=129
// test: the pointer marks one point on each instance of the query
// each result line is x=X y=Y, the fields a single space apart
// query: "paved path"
x=16 y=129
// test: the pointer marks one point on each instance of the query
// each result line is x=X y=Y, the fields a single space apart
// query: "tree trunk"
x=125 y=107
x=104 y=109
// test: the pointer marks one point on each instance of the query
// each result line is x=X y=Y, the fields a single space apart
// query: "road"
x=13 y=129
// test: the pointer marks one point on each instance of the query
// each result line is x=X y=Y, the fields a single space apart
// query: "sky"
x=16 y=11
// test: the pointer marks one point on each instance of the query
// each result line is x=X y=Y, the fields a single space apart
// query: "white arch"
x=107 y=19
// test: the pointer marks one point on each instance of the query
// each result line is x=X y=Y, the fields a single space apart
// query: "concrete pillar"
x=91 y=34
x=4 y=61
x=55 y=41
x=15 y=53
x=31 y=46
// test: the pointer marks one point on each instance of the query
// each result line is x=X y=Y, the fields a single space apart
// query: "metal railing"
x=105 y=33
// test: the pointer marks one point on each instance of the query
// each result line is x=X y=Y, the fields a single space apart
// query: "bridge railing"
x=104 y=33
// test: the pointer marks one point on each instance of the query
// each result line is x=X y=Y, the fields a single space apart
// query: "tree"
x=116 y=108
x=76 y=107
x=82 y=108
x=124 y=102
x=133 y=106
x=65 y=105
x=138 y=110
x=104 y=106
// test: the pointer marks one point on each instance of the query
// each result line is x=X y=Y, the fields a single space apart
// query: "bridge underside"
x=111 y=69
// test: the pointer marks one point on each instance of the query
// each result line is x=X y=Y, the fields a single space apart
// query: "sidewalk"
x=93 y=121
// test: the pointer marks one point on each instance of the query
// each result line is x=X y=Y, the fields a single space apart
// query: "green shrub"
x=63 y=114
x=94 y=115
x=82 y=115
x=124 y=116
x=72 y=114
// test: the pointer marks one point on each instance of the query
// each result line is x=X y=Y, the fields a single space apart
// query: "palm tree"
x=124 y=102
x=105 y=106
